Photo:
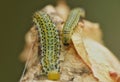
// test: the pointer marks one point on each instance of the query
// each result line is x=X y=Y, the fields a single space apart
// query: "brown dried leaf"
x=95 y=55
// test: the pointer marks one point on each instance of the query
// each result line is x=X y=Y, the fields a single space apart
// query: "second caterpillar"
x=71 y=23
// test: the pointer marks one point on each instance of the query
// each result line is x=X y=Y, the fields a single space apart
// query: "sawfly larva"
x=49 y=45
x=71 y=23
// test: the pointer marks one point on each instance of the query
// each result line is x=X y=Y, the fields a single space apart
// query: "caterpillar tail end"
x=66 y=40
x=82 y=13
x=66 y=43
x=53 y=75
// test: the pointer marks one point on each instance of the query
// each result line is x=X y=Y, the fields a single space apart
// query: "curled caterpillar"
x=71 y=23
x=49 y=45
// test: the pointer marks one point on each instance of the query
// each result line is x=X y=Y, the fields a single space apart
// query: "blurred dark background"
x=16 y=20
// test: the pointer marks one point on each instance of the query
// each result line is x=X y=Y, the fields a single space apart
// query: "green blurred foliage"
x=16 y=20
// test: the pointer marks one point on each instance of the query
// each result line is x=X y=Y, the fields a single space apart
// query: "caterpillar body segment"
x=71 y=23
x=49 y=43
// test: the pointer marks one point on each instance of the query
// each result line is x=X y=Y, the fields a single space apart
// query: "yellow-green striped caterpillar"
x=71 y=23
x=49 y=44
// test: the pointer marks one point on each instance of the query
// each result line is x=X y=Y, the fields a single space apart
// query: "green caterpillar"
x=50 y=45
x=71 y=23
